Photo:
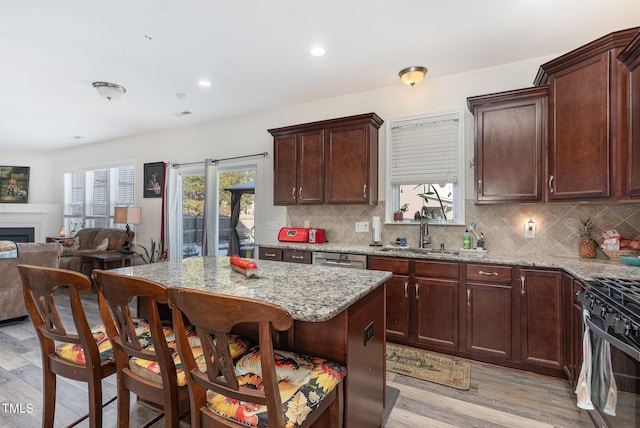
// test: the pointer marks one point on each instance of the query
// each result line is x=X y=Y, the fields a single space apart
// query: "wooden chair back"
x=116 y=292
x=39 y=286
x=214 y=316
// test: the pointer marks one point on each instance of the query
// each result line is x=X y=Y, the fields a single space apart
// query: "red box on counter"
x=293 y=234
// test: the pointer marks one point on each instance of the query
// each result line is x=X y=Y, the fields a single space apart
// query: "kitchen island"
x=339 y=314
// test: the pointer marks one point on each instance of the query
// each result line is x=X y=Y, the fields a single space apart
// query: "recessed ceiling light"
x=317 y=51
x=205 y=83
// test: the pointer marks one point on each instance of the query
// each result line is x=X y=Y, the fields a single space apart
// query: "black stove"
x=614 y=306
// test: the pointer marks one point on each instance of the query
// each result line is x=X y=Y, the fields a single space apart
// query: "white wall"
x=247 y=134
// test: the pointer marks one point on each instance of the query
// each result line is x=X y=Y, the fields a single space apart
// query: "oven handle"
x=614 y=341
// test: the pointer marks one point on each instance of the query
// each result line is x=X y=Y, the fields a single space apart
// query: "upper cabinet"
x=587 y=153
x=510 y=136
x=327 y=162
x=630 y=56
x=574 y=136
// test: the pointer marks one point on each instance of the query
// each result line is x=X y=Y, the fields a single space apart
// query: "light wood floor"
x=498 y=397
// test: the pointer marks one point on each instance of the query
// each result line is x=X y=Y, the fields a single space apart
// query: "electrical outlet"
x=272 y=225
x=362 y=226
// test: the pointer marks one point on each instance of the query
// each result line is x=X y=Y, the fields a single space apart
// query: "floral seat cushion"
x=74 y=352
x=303 y=382
x=151 y=369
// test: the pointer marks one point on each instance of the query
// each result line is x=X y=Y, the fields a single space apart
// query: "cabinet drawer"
x=437 y=269
x=297 y=256
x=389 y=264
x=489 y=273
x=274 y=254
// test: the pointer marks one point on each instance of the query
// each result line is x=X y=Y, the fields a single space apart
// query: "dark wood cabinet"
x=436 y=300
x=587 y=155
x=630 y=56
x=488 y=311
x=285 y=255
x=540 y=302
x=398 y=298
x=327 y=162
x=299 y=168
x=573 y=329
x=510 y=136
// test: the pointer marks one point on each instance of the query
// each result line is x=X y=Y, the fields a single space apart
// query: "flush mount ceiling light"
x=412 y=75
x=317 y=51
x=110 y=91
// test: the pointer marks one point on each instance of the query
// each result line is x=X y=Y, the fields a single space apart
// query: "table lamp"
x=127 y=215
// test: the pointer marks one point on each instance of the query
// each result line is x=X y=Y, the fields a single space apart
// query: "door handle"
x=406 y=286
x=479 y=187
x=522 y=284
x=468 y=297
x=550 y=184
x=293 y=193
x=300 y=194
x=364 y=191
x=417 y=291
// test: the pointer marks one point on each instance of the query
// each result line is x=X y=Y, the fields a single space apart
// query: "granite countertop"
x=582 y=269
x=307 y=292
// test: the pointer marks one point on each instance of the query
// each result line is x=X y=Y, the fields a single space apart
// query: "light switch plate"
x=272 y=225
x=362 y=226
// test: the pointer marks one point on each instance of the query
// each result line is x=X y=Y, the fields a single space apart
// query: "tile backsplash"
x=503 y=225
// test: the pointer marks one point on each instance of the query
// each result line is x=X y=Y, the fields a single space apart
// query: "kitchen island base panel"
x=355 y=338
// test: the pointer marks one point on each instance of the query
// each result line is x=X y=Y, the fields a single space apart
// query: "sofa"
x=11 y=298
x=91 y=241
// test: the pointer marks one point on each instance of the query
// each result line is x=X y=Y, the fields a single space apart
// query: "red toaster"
x=317 y=236
x=293 y=234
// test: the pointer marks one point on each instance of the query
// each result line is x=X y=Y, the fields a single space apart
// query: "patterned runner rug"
x=430 y=366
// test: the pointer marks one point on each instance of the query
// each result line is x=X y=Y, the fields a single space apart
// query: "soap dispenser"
x=466 y=240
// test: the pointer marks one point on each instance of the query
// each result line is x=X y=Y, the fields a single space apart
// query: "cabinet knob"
x=551 y=184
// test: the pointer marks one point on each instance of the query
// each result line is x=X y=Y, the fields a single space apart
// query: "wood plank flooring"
x=498 y=397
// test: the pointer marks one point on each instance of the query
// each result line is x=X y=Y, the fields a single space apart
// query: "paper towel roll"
x=376 y=229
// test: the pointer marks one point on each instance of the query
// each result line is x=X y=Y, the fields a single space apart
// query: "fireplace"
x=17 y=234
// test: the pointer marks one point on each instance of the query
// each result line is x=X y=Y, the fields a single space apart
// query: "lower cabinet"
x=513 y=316
x=436 y=301
x=488 y=311
x=285 y=255
x=540 y=295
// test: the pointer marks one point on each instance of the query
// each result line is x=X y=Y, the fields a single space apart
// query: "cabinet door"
x=348 y=165
x=579 y=143
x=510 y=137
x=633 y=185
x=488 y=319
x=265 y=253
x=436 y=312
x=576 y=330
x=297 y=256
x=398 y=307
x=285 y=167
x=310 y=177
x=541 y=318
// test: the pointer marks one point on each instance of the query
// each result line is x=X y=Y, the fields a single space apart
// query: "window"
x=425 y=168
x=90 y=196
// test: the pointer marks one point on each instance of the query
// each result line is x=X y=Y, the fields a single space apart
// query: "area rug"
x=430 y=366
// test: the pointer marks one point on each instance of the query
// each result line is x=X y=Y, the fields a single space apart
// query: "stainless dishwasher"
x=353 y=261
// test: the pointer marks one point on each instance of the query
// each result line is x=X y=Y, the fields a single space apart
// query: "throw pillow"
x=103 y=245
x=71 y=246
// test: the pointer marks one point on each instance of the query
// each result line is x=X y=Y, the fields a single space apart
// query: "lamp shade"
x=128 y=215
x=412 y=75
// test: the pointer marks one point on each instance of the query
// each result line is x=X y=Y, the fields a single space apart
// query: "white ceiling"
x=256 y=54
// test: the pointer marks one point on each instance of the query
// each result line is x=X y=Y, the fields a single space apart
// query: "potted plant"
x=399 y=214
x=586 y=245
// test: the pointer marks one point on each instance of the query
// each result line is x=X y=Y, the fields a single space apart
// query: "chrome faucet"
x=425 y=239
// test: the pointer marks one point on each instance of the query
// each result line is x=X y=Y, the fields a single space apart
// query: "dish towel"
x=583 y=388
x=596 y=378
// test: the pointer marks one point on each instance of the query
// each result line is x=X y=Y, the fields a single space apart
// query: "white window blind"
x=425 y=150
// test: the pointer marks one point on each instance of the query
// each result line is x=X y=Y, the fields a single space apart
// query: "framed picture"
x=153 y=179
x=14 y=184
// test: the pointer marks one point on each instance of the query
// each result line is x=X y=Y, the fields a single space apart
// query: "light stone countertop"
x=307 y=292
x=582 y=269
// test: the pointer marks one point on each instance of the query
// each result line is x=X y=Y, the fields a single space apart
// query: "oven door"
x=625 y=366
